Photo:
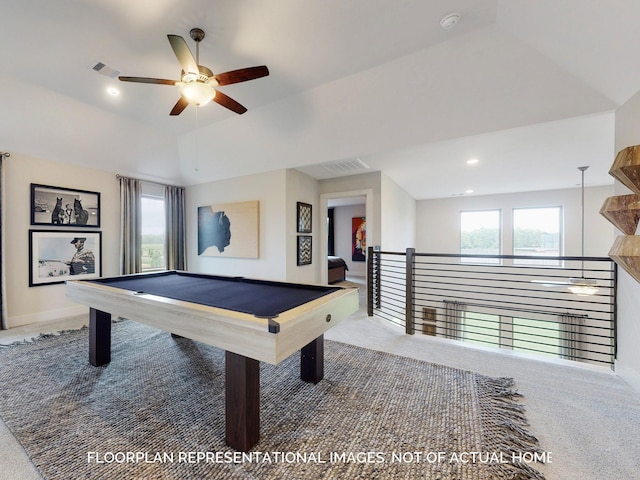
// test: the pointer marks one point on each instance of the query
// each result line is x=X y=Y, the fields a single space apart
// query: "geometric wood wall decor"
x=626 y=168
x=626 y=253
x=623 y=211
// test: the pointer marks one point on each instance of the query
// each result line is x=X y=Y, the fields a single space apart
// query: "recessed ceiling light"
x=449 y=21
x=472 y=161
x=468 y=191
x=113 y=91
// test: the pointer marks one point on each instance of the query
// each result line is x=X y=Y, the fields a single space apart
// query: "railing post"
x=409 y=326
x=370 y=255
x=614 y=313
x=378 y=282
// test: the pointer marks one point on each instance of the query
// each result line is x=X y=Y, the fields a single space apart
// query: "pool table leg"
x=312 y=361
x=99 y=337
x=242 y=392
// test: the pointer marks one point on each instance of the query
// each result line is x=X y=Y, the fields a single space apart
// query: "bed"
x=337 y=269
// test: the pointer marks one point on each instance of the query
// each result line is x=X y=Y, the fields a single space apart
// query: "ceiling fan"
x=198 y=83
x=580 y=286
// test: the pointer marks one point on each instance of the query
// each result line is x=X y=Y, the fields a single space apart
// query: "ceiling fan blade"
x=550 y=283
x=158 y=81
x=241 y=75
x=184 y=55
x=229 y=103
x=180 y=105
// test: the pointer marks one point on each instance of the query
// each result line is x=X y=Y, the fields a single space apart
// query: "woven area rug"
x=157 y=412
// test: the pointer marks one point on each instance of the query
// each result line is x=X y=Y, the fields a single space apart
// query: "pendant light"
x=583 y=286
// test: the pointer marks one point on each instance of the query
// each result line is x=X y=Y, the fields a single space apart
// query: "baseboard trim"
x=46 y=316
x=630 y=376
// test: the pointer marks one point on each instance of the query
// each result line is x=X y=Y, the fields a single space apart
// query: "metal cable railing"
x=563 y=307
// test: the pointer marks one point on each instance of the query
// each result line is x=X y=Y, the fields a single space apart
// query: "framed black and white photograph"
x=304 y=250
x=56 y=256
x=64 y=207
x=304 y=218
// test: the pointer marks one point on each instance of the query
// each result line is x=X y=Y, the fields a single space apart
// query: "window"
x=483 y=328
x=537 y=232
x=527 y=335
x=480 y=234
x=540 y=336
x=153 y=227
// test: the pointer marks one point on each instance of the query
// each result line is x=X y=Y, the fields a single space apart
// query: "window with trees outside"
x=537 y=232
x=153 y=227
x=480 y=235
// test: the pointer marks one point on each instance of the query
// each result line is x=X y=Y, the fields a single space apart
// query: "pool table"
x=252 y=320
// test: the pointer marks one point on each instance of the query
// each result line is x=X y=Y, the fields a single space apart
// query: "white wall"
x=628 y=362
x=302 y=188
x=398 y=216
x=343 y=241
x=270 y=190
x=277 y=193
x=438 y=224
x=26 y=304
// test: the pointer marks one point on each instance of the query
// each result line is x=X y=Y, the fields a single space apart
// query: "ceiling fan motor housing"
x=197 y=34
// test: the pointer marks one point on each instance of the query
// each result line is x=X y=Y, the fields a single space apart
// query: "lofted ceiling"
x=528 y=87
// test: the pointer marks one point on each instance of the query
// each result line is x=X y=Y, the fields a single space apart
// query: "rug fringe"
x=42 y=336
x=499 y=411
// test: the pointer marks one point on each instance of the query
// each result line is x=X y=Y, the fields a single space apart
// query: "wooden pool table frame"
x=245 y=338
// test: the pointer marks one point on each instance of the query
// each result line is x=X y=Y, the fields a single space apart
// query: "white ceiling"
x=529 y=87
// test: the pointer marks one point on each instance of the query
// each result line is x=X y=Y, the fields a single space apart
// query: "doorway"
x=351 y=201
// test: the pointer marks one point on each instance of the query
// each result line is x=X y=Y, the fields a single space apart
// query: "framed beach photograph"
x=56 y=256
x=64 y=207
x=303 y=217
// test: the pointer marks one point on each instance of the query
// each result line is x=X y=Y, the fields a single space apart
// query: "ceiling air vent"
x=106 y=71
x=345 y=167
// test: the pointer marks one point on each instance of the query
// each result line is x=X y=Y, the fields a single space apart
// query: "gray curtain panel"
x=130 y=225
x=572 y=335
x=453 y=318
x=175 y=224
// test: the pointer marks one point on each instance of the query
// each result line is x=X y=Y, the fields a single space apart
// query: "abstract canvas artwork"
x=229 y=230
x=358 y=238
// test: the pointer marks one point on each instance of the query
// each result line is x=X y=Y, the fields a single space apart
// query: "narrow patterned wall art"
x=303 y=217
x=304 y=250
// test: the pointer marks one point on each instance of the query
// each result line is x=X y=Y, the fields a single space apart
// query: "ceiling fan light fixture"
x=197 y=93
x=197 y=83
x=189 y=77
